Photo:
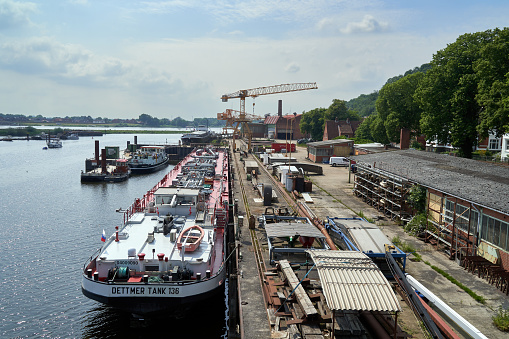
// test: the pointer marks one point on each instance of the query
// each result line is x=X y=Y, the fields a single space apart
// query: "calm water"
x=50 y=224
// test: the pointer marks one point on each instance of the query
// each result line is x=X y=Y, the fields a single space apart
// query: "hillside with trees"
x=461 y=96
x=364 y=104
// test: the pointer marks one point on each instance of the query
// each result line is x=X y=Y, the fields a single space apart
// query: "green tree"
x=363 y=132
x=422 y=69
x=378 y=131
x=364 y=104
x=312 y=122
x=397 y=107
x=179 y=122
x=339 y=111
x=148 y=120
x=492 y=69
x=447 y=93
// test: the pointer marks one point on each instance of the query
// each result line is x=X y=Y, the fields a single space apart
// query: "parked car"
x=339 y=161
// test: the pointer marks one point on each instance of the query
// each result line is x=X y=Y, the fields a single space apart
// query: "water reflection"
x=207 y=320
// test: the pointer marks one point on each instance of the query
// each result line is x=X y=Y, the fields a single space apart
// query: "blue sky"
x=121 y=58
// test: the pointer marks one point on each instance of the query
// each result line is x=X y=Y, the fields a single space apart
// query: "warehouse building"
x=467 y=204
x=321 y=151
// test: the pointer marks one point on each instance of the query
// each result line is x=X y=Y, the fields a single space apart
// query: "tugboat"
x=146 y=266
x=148 y=159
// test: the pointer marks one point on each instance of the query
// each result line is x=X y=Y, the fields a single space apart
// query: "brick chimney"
x=280 y=108
x=404 y=138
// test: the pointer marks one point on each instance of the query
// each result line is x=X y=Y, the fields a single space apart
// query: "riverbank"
x=31 y=131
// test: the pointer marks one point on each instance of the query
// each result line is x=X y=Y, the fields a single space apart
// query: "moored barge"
x=145 y=266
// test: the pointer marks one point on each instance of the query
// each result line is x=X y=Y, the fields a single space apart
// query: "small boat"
x=190 y=238
x=148 y=159
x=54 y=143
x=7 y=138
x=72 y=136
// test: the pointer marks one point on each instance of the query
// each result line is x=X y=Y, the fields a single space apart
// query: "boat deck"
x=149 y=238
x=138 y=230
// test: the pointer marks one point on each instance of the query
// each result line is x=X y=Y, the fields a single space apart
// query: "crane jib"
x=254 y=92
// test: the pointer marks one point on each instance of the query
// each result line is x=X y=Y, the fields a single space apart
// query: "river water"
x=50 y=224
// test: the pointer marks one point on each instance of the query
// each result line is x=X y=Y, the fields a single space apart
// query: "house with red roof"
x=336 y=128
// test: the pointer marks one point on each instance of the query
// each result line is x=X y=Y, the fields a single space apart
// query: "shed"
x=321 y=151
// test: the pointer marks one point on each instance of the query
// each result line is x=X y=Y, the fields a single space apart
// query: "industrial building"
x=467 y=205
x=321 y=151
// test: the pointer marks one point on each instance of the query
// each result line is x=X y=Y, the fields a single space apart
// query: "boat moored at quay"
x=170 y=253
x=201 y=135
x=148 y=159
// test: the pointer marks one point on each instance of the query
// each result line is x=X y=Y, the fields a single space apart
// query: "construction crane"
x=241 y=118
x=234 y=119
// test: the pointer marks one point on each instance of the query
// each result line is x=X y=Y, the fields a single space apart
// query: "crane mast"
x=241 y=118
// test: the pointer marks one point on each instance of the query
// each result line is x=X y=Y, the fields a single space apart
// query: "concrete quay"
x=332 y=195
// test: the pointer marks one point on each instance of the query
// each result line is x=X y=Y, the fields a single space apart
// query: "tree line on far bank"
x=460 y=97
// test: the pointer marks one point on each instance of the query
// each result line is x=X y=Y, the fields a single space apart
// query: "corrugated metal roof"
x=367 y=237
x=285 y=229
x=329 y=142
x=480 y=182
x=352 y=282
x=271 y=120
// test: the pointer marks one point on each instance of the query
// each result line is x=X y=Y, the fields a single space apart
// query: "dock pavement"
x=333 y=196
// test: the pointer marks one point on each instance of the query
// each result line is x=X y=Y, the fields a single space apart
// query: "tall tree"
x=148 y=120
x=339 y=111
x=492 y=69
x=378 y=130
x=397 y=107
x=363 y=132
x=312 y=122
x=447 y=93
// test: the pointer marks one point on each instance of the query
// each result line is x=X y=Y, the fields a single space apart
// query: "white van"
x=339 y=161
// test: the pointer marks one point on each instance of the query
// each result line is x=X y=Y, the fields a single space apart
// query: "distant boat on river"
x=54 y=143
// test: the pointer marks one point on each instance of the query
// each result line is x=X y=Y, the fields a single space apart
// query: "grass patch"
x=478 y=298
x=361 y=214
x=501 y=319
x=407 y=248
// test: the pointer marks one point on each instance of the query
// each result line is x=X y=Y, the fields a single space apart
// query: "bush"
x=417 y=198
x=416 y=225
x=501 y=319
x=417 y=145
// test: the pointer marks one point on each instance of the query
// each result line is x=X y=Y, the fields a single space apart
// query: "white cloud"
x=228 y=11
x=73 y=64
x=15 y=14
x=292 y=68
x=368 y=25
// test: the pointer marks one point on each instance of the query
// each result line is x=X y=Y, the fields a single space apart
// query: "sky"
x=122 y=58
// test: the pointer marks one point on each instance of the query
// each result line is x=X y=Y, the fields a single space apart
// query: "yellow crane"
x=236 y=118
